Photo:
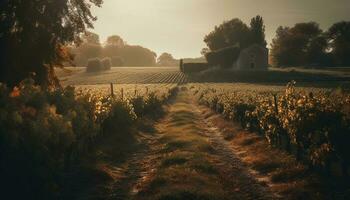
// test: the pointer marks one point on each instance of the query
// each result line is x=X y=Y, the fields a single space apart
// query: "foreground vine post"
x=122 y=93
x=112 y=90
x=278 y=139
x=181 y=64
x=275 y=101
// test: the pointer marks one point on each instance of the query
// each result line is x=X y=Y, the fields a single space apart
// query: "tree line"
x=114 y=47
x=306 y=44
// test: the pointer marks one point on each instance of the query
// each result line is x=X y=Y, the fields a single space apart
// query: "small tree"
x=166 y=59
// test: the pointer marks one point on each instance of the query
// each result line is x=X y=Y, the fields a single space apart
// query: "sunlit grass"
x=185 y=170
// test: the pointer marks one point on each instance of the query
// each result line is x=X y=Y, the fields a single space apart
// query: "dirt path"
x=191 y=160
x=185 y=158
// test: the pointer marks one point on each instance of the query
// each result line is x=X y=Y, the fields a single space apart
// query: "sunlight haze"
x=179 y=26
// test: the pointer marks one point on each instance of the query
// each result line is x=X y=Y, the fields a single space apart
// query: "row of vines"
x=314 y=126
x=43 y=133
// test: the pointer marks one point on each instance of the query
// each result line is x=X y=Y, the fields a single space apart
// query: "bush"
x=119 y=120
x=117 y=61
x=94 y=65
x=194 y=67
x=106 y=63
x=223 y=57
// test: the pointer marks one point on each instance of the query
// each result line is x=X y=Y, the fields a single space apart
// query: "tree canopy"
x=236 y=33
x=115 y=40
x=166 y=59
x=33 y=35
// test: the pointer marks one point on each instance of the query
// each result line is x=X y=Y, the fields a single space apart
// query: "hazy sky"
x=179 y=26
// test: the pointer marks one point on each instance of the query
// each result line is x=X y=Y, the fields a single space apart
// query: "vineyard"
x=63 y=126
x=312 y=124
x=97 y=117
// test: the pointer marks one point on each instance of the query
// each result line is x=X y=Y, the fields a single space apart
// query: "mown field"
x=122 y=75
x=274 y=78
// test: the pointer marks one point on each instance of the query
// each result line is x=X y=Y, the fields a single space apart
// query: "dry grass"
x=185 y=170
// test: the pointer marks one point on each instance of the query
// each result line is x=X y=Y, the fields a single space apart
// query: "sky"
x=179 y=26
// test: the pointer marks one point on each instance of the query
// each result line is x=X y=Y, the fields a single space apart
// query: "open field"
x=311 y=78
x=122 y=75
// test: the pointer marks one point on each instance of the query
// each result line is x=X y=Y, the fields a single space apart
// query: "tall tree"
x=33 y=33
x=339 y=36
x=257 y=31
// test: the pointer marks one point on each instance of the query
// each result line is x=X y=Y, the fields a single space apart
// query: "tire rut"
x=139 y=168
x=236 y=176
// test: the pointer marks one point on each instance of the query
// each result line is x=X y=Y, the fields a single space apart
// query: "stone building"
x=254 y=57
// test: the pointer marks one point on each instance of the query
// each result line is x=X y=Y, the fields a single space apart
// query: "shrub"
x=94 y=65
x=119 y=120
x=106 y=63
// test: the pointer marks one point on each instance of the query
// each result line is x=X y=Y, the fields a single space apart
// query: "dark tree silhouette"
x=257 y=31
x=233 y=32
x=339 y=36
x=302 y=44
x=33 y=35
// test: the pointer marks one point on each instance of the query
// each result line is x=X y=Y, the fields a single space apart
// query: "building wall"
x=252 y=58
